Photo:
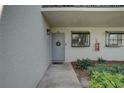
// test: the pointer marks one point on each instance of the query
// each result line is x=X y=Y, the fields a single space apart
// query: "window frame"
x=107 y=38
x=80 y=32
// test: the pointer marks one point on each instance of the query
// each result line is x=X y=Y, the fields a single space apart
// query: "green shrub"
x=84 y=63
x=101 y=60
x=99 y=68
x=103 y=76
x=115 y=68
x=106 y=80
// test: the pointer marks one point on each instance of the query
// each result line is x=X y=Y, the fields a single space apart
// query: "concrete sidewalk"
x=60 y=76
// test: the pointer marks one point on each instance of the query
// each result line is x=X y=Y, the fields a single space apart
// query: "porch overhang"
x=84 y=18
x=82 y=8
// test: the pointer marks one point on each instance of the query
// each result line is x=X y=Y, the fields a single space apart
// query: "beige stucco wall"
x=72 y=53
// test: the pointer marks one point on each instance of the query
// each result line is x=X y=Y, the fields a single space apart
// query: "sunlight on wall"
x=1 y=7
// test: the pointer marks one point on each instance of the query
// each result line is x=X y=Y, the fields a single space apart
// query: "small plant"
x=101 y=60
x=84 y=63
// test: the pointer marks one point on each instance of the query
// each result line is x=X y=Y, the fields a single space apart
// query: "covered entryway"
x=58 y=47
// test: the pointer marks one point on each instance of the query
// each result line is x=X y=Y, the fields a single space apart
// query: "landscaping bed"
x=82 y=75
x=100 y=73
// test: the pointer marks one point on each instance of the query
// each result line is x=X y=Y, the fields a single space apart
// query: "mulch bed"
x=79 y=72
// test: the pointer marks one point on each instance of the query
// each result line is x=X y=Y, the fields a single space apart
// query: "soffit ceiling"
x=84 y=18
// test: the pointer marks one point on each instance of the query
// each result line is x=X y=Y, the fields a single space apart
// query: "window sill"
x=80 y=46
x=114 y=46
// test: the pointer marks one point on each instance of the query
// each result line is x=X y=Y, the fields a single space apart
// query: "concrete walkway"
x=60 y=76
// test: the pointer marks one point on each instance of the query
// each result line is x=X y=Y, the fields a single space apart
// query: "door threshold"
x=57 y=62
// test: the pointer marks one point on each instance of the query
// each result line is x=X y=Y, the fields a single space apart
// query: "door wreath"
x=58 y=43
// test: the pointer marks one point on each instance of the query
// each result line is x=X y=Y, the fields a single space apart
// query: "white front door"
x=58 y=47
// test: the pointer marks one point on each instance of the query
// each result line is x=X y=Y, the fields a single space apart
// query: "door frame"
x=56 y=61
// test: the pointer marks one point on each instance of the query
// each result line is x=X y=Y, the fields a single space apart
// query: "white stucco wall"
x=72 y=53
x=24 y=40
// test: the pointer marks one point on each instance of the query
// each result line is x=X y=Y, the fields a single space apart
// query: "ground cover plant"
x=106 y=76
x=102 y=74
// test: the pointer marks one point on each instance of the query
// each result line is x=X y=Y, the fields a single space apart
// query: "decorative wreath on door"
x=58 y=43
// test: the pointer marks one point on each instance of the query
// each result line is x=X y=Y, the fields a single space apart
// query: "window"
x=114 y=39
x=80 y=39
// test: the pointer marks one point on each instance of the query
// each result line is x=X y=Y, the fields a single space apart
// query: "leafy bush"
x=103 y=76
x=101 y=60
x=117 y=69
x=104 y=68
x=106 y=80
x=84 y=63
